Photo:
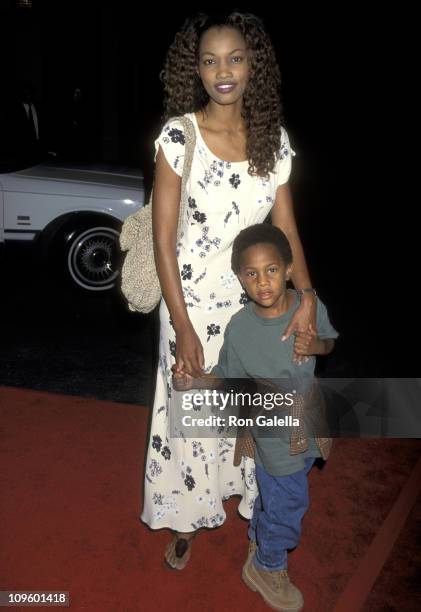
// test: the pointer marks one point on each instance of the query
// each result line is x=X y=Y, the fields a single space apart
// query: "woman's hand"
x=307 y=343
x=283 y=217
x=303 y=318
x=180 y=380
x=189 y=352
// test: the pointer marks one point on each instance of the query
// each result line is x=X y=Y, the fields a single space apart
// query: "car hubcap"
x=93 y=258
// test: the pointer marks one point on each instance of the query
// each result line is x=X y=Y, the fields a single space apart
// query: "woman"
x=222 y=74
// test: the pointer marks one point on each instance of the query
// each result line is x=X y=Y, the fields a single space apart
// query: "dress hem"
x=240 y=510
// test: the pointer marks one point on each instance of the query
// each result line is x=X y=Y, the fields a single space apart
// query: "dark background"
x=339 y=92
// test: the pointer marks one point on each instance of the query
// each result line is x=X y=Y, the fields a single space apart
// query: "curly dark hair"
x=260 y=233
x=262 y=109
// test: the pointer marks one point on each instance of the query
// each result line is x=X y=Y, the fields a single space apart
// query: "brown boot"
x=275 y=588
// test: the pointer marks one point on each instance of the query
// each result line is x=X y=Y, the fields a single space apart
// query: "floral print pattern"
x=188 y=477
x=172 y=348
x=177 y=136
x=243 y=298
x=227 y=279
x=235 y=180
x=213 y=330
x=199 y=217
x=186 y=272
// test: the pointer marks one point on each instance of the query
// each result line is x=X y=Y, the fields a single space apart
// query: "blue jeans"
x=277 y=516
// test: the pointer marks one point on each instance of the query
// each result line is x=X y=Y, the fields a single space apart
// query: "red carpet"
x=71 y=495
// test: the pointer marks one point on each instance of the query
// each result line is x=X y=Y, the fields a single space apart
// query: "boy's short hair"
x=258 y=234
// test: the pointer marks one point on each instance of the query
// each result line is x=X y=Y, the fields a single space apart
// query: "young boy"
x=262 y=260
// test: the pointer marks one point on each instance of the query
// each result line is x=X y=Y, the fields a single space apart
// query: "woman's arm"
x=284 y=218
x=165 y=211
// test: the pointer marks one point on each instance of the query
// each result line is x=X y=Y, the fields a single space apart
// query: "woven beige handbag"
x=139 y=279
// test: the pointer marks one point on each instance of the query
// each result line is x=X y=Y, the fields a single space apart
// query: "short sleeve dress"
x=187 y=479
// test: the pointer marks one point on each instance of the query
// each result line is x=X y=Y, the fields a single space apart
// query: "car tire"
x=90 y=254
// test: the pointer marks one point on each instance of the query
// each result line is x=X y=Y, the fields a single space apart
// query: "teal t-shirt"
x=253 y=348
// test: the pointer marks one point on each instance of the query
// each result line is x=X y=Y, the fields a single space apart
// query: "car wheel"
x=93 y=257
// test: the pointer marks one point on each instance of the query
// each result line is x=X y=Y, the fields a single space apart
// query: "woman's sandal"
x=178 y=552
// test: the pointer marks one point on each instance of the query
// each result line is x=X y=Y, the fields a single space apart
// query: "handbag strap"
x=190 y=143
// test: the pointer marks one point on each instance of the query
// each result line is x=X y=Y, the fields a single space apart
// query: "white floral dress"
x=186 y=479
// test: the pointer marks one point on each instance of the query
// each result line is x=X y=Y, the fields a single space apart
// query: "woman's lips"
x=226 y=87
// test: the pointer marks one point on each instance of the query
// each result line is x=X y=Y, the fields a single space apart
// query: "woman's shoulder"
x=285 y=149
x=172 y=140
x=284 y=137
x=173 y=128
x=177 y=122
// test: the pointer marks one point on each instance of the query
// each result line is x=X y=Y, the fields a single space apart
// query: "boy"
x=262 y=260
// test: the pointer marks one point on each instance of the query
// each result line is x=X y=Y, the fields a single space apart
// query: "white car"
x=73 y=214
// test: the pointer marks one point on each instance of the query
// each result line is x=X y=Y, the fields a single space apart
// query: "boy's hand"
x=307 y=342
x=181 y=381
